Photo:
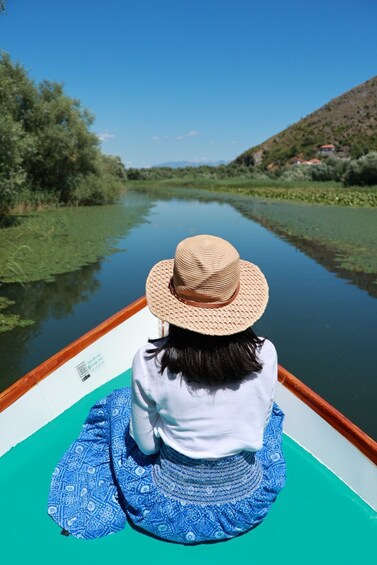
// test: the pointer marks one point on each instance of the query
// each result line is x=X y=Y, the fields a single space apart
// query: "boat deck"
x=316 y=519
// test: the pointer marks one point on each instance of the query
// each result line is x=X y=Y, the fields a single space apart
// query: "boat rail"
x=325 y=410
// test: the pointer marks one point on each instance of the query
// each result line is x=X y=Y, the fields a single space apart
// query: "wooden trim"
x=342 y=424
x=336 y=419
x=20 y=387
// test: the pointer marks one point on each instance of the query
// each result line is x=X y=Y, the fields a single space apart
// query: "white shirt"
x=200 y=422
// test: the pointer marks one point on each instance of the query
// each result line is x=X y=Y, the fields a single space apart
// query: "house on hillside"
x=312 y=162
x=300 y=161
x=296 y=161
x=328 y=149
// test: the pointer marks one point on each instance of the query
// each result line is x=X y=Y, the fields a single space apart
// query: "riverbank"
x=342 y=239
x=38 y=246
x=327 y=193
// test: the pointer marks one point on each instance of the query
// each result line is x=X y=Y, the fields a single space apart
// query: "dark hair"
x=209 y=360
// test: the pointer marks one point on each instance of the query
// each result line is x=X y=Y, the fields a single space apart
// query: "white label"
x=86 y=368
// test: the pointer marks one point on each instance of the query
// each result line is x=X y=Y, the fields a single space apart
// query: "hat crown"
x=206 y=269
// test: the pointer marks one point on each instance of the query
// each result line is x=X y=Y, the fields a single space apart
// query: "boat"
x=326 y=513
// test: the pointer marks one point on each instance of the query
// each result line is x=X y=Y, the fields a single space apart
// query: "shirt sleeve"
x=144 y=414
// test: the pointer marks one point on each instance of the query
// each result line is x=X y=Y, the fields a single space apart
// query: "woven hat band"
x=199 y=304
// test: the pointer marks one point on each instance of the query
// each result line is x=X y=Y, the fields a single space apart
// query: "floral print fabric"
x=104 y=480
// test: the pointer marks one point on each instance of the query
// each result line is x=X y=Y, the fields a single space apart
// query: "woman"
x=193 y=452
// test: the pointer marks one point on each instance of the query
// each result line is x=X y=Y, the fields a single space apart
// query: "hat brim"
x=243 y=312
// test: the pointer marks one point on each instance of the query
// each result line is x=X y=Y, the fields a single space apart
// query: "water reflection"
x=325 y=254
x=39 y=301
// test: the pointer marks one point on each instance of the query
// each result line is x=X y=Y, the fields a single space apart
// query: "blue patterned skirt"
x=104 y=480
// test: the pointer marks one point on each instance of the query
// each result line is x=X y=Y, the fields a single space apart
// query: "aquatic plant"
x=10 y=321
x=47 y=243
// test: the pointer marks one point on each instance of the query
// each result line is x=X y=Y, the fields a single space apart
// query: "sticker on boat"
x=86 y=368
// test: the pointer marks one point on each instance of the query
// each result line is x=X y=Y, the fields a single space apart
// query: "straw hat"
x=207 y=288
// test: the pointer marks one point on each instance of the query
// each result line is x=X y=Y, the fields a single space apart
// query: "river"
x=323 y=325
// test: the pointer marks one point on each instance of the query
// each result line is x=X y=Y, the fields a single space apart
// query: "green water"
x=39 y=246
x=316 y=518
x=321 y=316
x=42 y=245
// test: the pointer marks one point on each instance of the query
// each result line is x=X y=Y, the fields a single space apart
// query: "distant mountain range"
x=182 y=164
x=348 y=122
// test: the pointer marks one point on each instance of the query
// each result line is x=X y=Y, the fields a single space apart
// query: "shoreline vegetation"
x=49 y=156
x=42 y=245
x=331 y=180
x=329 y=193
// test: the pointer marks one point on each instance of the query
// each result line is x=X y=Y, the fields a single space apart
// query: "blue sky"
x=172 y=80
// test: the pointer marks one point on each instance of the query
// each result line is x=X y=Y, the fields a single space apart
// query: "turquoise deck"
x=316 y=519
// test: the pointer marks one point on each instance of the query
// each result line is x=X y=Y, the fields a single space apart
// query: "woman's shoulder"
x=267 y=351
x=267 y=344
x=149 y=349
x=145 y=364
x=148 y=355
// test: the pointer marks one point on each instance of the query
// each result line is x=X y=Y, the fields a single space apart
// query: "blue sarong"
x=104 y=480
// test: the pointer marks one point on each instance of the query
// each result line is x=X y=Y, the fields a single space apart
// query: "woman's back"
x=201 y=421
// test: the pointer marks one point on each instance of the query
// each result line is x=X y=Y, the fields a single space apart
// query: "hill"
x=348 y=122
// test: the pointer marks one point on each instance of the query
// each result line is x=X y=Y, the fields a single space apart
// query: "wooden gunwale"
x=20 y=387
x=335 y=418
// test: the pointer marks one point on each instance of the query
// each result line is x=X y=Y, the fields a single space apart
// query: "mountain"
x=182 y=164
x=348 y=122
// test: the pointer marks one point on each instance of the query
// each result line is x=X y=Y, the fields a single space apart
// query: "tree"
x=47 y=149
x=114 y=166
x=16 y=144
x=66 y=148
x=14 y=147
x=362 y=171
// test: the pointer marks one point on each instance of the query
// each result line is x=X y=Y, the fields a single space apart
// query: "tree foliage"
x=362 y=171
x=356 y=172
x=46 y=144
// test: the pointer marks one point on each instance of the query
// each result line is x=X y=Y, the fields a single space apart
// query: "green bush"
x=362 y=171
x=100 y=187
x=298 y=172
x=330 y=169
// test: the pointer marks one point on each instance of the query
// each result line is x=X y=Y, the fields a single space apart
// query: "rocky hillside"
x=348 y=122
